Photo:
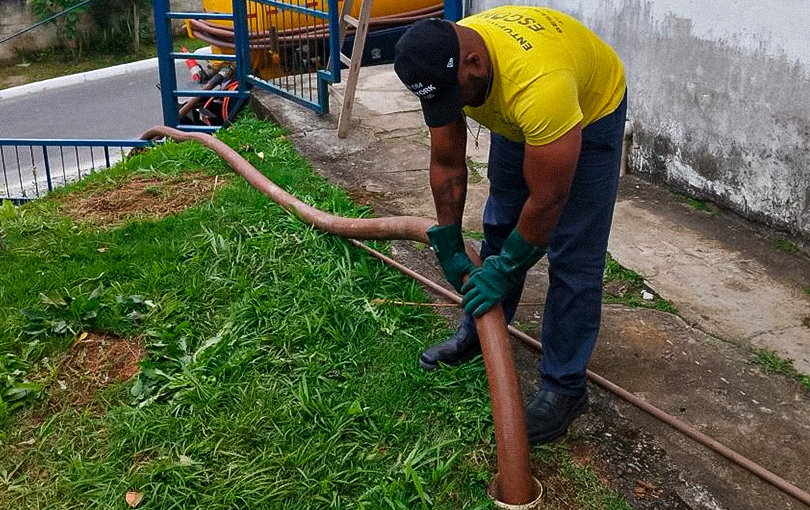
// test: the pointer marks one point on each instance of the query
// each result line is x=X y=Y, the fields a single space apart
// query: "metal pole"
x=168 y=76
x=334 y=40
x=453 y=9
x=47 y=167
x=241 y=41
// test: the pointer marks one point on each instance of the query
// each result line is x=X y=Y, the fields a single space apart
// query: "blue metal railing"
x=29 y=168
x=166 y=56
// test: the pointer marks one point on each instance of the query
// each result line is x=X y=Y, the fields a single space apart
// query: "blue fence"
x=306 y=51
x=31 y=168
x=305 y=41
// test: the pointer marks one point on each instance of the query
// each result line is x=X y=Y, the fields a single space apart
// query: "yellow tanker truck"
x=287 y=41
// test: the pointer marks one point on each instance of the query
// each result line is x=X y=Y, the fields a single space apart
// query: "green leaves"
x=62 y=313
x=15 y=390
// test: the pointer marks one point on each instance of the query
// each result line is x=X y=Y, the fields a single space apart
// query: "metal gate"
x=285 y=47
x=289 y=47
x=294 y=49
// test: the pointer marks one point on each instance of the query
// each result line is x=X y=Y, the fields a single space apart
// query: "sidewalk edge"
x=75 y=79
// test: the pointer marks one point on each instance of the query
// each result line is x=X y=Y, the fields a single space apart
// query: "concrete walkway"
x=734 y=291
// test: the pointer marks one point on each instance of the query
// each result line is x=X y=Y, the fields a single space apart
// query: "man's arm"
x=448 y=171
x=548 y=171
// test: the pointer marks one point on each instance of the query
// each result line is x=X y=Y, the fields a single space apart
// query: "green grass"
x=629 y=287
x=579 y=487
x=771 y=363
x=474 y=170
x=807 y=290
x=270 y=379
x=784 y=245
x=478 y=235
x=699 y=205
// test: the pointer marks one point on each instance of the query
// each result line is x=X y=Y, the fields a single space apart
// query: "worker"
x=553 y=96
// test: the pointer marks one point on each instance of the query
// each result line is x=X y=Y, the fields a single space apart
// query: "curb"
x=75 y=79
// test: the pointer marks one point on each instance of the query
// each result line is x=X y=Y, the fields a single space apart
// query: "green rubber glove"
x=499 y=274
x=448 y=245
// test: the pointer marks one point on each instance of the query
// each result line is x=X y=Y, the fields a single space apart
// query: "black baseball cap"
x=426 y=61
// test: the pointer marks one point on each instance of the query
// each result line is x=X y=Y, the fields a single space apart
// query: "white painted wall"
x=719 y=97
x=776 y=26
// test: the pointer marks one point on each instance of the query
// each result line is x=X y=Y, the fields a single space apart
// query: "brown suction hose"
x=679 y=425
x=517 y=487
x=513 y=462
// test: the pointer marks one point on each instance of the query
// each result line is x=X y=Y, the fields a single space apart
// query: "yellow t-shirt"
x=550 y=73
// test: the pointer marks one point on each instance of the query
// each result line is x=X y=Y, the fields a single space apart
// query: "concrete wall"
x=15 y=16
x=719 y=97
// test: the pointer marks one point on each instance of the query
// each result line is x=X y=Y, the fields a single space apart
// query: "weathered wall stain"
x=719 y=117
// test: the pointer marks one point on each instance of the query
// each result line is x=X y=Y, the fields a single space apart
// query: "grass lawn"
x=188 y=344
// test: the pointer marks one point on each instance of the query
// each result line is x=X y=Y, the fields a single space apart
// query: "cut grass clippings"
x=268 y=376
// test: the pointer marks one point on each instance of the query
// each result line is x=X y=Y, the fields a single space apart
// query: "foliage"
x=582 y=488
x=112 y=28
x=474 y=170
x=771 y=363
x=631 y=288
x=274 y=378
x=784 y=245
x=67 y=24
x=119 y=31
x=700 y=205
x=271 y=379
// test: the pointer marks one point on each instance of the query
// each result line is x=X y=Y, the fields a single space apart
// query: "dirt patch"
x=13 y=81
x=95 y=361
x=141 y=198
x=364 y=197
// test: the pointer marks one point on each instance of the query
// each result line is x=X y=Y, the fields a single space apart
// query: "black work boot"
x=462 y=346
x=548 y=414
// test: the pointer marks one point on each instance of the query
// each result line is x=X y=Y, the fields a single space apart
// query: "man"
x=554 y=98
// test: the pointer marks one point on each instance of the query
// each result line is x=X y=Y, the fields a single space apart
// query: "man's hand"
x=501 y=273
x=448 y=245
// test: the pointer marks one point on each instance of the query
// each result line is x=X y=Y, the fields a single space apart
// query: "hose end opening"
x=494 y=492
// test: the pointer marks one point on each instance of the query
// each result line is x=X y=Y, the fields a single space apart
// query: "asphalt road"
x=118 y=107
x=115 y=107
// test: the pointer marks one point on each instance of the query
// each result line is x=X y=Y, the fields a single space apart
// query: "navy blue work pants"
x=577 y=247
